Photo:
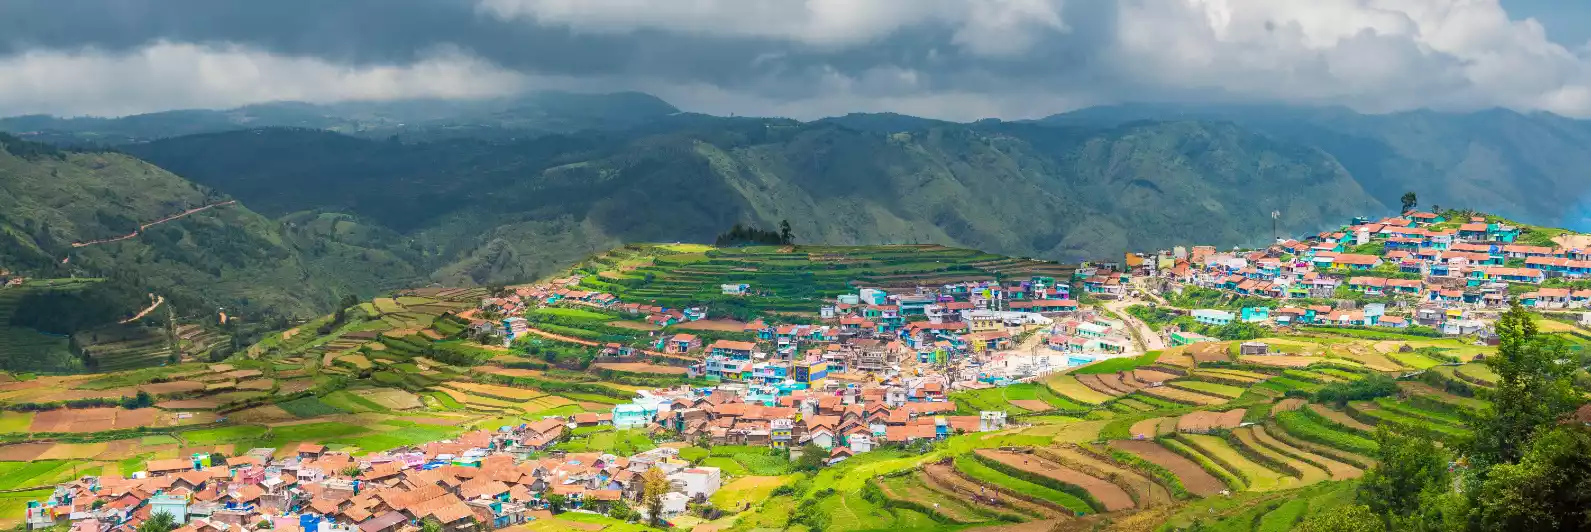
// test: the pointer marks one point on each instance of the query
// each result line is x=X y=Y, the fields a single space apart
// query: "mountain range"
x=360 y=198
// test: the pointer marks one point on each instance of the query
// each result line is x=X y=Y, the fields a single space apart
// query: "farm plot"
x=1304 y=426
x=1151 y=376
x=1477 y=373
x=391 y=398
x=911 y=490
x=1287 y=405
x=1336 y=469
x=1202 y=422
x=712 y=325
x=1093 y=382
x=944 y=479
x=976 y=472
x=1340 y=418
x=1150 y=493
x=1184 y=397
x=1280 y=361
x=1208 y=388
x=494 y=391
x=638 y=367
x=1177 y=357
x=1258 y=477
x=1068 y=387
x=92 y=419
x=1110 y=496
x=1307 y=473
x=1194 y=478
x=1409 y=419
x=162 y=388
x=1229 y=375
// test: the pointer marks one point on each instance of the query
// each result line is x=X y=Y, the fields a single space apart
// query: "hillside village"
x=1168 y=347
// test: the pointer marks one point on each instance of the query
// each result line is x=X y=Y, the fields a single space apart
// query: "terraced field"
x=1110 y=496
x=1195 y=479
x=1257 y=476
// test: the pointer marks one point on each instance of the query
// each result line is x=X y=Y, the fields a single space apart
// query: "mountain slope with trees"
x=226 y=256
x=494 y=211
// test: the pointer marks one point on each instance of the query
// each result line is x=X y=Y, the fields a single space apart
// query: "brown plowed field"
x=171 y=387
x=1182 y=396
x=1194 y=478
x=92 y=419
x=1113 y=381
x=712 y=325
x=1093 y=383
x=639 y=367
x=1288 y=405
x=23 y=452
x=1337 y=417
x=1110 y=495
x=1148 y=428
x=1202 y=422
x=1149 y=376
x=1156 y=494
x=1210 y=352
x=1031 y=405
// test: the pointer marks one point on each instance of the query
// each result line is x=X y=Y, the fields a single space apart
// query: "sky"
x=950 y=59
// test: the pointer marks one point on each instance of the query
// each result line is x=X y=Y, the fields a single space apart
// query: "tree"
x=430 y=524
x=556 y=502
x=159 y=522
x=654 y=484
x=1535 y=388
x=621 y=510
x=1410 y=472
x=1349 y=519
x=784 y=232
x=1549 y=489
x=811 y=458
x=1410 y=200
x=352 y=470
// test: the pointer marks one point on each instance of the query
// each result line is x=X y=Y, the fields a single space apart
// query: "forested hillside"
x=499 y=212
x=1525 y=166
x=89 y=214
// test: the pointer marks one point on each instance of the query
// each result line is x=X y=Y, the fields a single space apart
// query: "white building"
x=703 y=481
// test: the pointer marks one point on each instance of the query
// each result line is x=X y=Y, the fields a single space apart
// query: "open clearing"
x=712 y=325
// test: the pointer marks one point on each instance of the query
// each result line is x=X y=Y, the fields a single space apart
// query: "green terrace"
x=788 y=279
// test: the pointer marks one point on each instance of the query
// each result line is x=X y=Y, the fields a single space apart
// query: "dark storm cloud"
x=948 y=58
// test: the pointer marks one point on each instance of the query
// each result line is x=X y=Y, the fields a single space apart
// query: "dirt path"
x=146 y=311
x=1145 y=338
x=1194 y=478
x=143 y=227
x=1111 y=496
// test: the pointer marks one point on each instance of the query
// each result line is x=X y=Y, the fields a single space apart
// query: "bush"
x=1370 y=387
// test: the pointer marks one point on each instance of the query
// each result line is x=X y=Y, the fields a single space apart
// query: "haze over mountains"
x=355 y=198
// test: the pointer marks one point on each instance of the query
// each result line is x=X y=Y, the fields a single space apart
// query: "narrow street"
x=1146 y=339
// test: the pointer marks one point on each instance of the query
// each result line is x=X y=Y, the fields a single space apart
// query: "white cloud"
x=1375 y=55
x=169 y=75
x=985 y=27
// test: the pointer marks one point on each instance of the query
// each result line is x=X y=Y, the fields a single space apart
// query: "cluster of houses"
x=1467 y=267
x=480 y=480
x=842 y=420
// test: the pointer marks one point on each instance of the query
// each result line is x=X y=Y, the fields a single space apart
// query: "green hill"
x=498 y=212
x=225 y=256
